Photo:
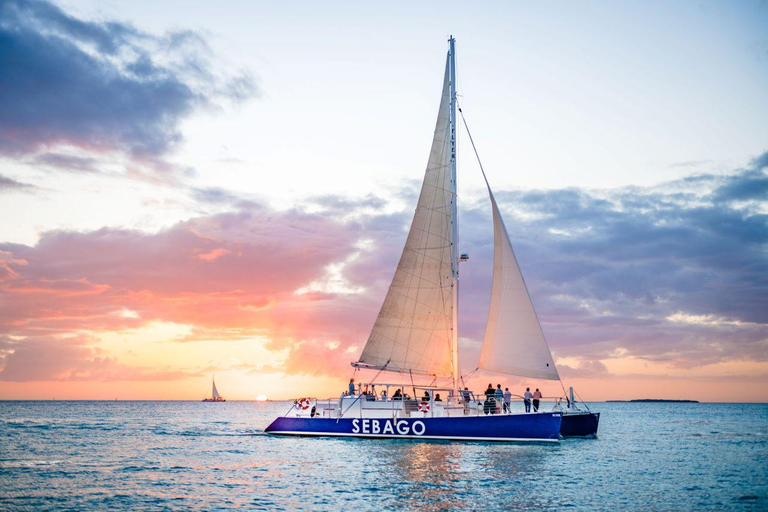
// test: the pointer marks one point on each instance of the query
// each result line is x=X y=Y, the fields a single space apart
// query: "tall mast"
x=454 y=218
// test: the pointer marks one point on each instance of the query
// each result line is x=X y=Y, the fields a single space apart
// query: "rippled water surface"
x=100 y=455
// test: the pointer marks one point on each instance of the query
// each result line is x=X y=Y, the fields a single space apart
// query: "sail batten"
x=514 y=342
x=414 y=329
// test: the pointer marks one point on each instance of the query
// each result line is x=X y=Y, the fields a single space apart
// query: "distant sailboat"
x=215 y=396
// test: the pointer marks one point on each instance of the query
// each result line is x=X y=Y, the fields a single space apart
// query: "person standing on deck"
x=536 y=398
x=351 y=386
x=507 y=400
x=490 y=403
x=527 y=399
x=499 y=398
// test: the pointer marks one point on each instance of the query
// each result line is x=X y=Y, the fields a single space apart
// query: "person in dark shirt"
x=490 y=401
x=398 y=395
x=437 y=398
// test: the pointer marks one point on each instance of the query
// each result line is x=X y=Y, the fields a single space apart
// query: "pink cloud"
x=60 y=287
x=229 y=276
x=43 y=358
x=213 y=255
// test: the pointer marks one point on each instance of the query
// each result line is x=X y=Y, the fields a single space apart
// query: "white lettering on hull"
x=374 y=426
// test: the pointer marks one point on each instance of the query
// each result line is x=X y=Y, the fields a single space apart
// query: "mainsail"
x=514 y=342
x=215 y=392
x=414 y=329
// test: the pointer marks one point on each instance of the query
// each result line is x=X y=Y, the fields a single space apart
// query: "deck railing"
x=477 y=405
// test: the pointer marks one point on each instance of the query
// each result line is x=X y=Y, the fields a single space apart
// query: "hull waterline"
x=541 y=427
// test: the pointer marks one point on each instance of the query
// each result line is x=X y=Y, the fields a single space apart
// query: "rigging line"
x=472 y=141
x=380 y=370
x=413 y=386
x=580 y=400
x=469 y=375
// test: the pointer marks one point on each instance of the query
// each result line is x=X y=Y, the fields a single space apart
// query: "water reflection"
x=442 y=474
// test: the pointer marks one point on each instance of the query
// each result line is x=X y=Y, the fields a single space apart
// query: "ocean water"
x=193 y=455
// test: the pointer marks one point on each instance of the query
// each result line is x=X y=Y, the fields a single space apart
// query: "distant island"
x=657 y=400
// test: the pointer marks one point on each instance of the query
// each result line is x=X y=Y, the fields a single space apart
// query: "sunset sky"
x=189 y=188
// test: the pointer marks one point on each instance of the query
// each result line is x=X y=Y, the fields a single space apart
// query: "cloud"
x=611 y=269
x=692 y=163
x=750 y=186
x=71 y=89
x=67 y=162
x=585 y=369
x=224 y=270
x=221 y=197
x=674 y=274
x=340 y=205
x=67 y=359
x=760 y=162
x=10 y=185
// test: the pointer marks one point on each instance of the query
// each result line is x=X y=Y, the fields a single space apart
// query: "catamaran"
x=416 y=331
x=215 y=396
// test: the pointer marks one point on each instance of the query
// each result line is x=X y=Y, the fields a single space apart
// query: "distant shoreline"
x=654 y=400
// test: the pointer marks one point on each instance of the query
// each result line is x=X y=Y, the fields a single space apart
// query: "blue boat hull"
x=509 y=427
x=580 y=424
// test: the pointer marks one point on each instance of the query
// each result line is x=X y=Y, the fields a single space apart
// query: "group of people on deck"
x=370 y=393
x=494 y=397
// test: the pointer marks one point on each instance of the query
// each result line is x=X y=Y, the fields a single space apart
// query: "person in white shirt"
x=527 y=399
x=507 y=399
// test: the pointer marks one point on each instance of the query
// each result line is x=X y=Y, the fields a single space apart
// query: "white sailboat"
x=215 y=396
x=416 y=330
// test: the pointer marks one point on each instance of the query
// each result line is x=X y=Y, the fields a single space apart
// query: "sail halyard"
x=415 y=329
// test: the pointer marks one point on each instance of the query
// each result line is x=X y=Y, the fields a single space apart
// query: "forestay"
x=413 y=331
x=514 y=342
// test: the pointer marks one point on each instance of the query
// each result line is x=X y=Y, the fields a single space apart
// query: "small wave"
x=134 y=469
x=11 y=464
